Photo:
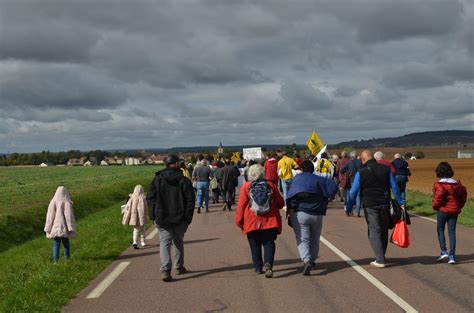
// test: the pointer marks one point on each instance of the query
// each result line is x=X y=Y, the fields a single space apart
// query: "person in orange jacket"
x=258 y=216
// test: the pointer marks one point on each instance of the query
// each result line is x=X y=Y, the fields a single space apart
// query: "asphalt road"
x=221 y=277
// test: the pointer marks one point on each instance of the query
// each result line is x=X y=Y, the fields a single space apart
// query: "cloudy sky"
x=92 y=74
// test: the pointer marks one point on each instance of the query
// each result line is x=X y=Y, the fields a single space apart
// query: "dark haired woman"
x=449 y=197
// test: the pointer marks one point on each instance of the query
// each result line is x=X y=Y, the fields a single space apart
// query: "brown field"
x=431 y=152
x=423 y=174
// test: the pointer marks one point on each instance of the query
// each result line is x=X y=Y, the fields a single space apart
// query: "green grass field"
x=29 y=281
x=26 y=191
x=420 y=203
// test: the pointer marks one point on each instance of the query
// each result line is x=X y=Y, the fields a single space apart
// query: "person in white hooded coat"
x=60 y=222
x=134 y=215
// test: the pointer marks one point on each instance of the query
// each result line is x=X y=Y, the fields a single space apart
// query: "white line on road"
x=152 y=234
x=423 y=217
x=108 y=281
x=374 y=281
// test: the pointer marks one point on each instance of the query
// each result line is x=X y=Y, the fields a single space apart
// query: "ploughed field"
x=423 y=174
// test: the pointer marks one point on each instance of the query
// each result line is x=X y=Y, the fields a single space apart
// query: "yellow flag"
x=314 y=143
x=235 y=157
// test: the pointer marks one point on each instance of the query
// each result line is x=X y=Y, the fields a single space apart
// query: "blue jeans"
x=307 y=230
x=286 y=185
x=451 y=220
x=401 y=181
x=202 y=193
x=357 y=204
x=56 y=244
x=265 y=238
x=172 y=235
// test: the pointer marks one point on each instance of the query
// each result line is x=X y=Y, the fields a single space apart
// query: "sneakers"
x=135 y=246
x=306 y=268
x=268 y=271
x=452 y=259
x=443 y=255
x=166 y=276
x=199 y=210
x=181 y=270
x=376 y=264
x=259 y=272
x=224 y=207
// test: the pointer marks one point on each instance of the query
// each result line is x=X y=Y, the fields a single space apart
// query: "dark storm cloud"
x=133 y=74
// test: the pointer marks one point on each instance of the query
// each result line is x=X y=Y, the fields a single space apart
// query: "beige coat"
x=60 y=221
x=134 y=213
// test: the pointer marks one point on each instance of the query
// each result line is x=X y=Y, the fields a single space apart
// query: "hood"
x=172 y=175
x=451 y=186
x=448 y=181
x=272 y=161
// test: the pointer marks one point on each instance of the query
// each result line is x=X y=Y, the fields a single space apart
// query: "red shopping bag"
x=400 y=235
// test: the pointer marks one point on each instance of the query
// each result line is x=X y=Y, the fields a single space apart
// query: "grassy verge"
x=30 y=282
x=420 y=203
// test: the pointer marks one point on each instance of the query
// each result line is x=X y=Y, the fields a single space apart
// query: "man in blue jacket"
x=307 y=202
x=374 y=181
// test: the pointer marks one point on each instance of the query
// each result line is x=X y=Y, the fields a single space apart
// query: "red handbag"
x=400 y=235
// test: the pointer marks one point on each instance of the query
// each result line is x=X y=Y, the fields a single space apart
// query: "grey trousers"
x=171 y=235
x=377 y=221
x=307 y=230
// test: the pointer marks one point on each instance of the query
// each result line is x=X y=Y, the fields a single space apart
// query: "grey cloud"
x=67 y=86
x=345 y=91
x=416 y=75
x=303 y=96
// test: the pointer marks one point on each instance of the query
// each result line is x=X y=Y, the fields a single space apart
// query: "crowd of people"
x=302 y=187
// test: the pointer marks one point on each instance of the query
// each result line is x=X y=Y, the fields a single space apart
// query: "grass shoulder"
x=420 y=203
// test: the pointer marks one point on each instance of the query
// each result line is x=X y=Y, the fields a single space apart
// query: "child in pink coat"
x=60 y=222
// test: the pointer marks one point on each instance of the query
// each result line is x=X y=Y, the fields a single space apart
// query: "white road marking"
x=423 y=217
x=374 y=281
x=152 y=234
x=107 y=281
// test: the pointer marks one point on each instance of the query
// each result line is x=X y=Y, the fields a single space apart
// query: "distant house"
x=104 y=163
x=413 y=157
x=465 y=154
x=93 y=160
x=87 y=163
x=43 y=165
x=155 y=159
x=133 y=161
x=113 y=160
x=76 y=162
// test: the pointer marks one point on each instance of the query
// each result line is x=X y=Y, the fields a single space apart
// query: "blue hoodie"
x=310 y=193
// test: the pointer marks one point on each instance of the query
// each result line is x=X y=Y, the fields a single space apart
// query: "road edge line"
x=374 y=281
x=423 y=217
x=104 y=284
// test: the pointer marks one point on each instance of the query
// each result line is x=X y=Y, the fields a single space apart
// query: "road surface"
x=221 y=277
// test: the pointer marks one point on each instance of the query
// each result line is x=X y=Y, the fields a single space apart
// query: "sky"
x=111 y=74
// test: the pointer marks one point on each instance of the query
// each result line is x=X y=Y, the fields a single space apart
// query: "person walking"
x=449 y=197
x=202 y=176
x=228 y=179
x=324 y=167
x=271 y=169
x=258 y=216
x=344 y=183
x=307 y=203
x=351 y=168
x=402 y=172
x=214 y=184
x=378 y=156
x=185 y=170
x=374 y=181
x=171 y=201
x=60 y=223
x=285 y=171
x=134 y=215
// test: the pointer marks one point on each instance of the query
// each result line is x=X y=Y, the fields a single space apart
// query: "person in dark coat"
x=228 y=179
x=171 y=201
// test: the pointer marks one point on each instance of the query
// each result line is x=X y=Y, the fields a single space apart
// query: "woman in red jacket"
x=258 y=216
x=449 y=197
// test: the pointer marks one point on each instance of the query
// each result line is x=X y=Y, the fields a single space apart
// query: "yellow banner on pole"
x=236 y=157
x=314 y=143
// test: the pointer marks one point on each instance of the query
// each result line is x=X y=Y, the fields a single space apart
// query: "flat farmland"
x=423 y=174
x=25 y=187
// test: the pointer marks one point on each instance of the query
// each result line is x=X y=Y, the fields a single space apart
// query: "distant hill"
x=432 y=138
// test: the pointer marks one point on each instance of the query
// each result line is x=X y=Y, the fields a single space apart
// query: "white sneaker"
x=143 y=244
x=375 y=264
x=443 y=256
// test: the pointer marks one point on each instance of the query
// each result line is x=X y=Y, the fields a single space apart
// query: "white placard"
x=253 y=153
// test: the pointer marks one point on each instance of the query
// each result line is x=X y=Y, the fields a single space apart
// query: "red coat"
x=388 y=163
x=449 y=197
x=271 y=170
x=249 y=221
